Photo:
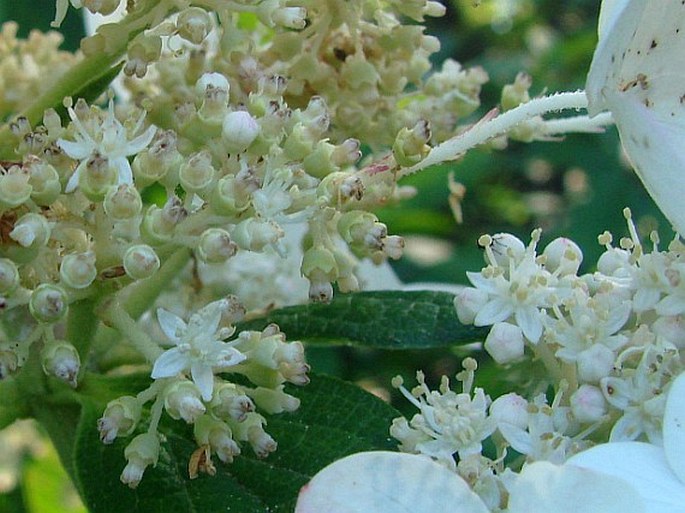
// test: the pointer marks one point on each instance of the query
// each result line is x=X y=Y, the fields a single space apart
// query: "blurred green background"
x=576 y=188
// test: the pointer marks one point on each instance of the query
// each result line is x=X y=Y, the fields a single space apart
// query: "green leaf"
x=335 y=419
x=380 y=319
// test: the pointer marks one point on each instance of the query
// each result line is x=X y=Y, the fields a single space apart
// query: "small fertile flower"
x=106 y=138
x=199 y=347
x=656 y=473
x=635 y=75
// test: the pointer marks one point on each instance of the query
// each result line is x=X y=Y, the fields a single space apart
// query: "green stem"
x=117 y=316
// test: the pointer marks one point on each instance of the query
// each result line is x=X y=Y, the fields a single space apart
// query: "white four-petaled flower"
x=199 y=347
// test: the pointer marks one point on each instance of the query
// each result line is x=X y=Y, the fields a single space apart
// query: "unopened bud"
x=239 y=130
x=140 y=261
x=140 y=453
x=511 y=409
x=216 y=246
x=120 y=418
x=274 y=400
x=183 y=400
x=588 y=404
x=123 y=202
x=78 y=270
x=31 y=230
x=193 y=24
x=468 y=303
x=504 y=342
x=9 y=276
x=48 y=303
x=60 y=359
x=197 y=173
x=595 y=363
x=563 y=256
x=15 y=188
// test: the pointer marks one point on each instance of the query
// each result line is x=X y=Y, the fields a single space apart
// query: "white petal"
x=169 y=363
x=171 y=324
x=140 y=143
x=74 y=178
x=530 y=322
x=387 y=482
x=226 y=356
x=545 y=488
x=203 y=377
x=496 y=310
x=674 y=427
x=75 y=149
x=124 y=172
x=644 y=467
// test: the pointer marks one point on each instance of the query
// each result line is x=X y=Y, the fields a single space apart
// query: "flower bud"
x=229 y=196
x=504 y=342
x=214 y=90
x=505 y=247
x=411 y=145
x=588 y=404
x=290 y=17
x=48 y=303
x=251 y=430
x=159 y=223
x=31 y=230
x=142 y=51
x=78 y=270
x=96 y=177
x=216 y=434
x=595 y=363
x=563 y=256
x=193 y=24
x=123 y=202
x=160 y=159
x=103 y=7
x=671 y=328
x=182 y=399
x=239 y=130
x=510 y=409
x=197 y=173
x=216 y=246
x=230 y=402
x=15 y=188
x=44 y=181
x=120 y=418
x=140 y=453
x=468 y=303
x=140 y=261
x=9 y=276
x=274 y=400
x=61 y=360
x=253 y=234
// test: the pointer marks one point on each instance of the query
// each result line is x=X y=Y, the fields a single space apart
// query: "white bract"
x=383 y=482
x=656 y=473
x=637 y=73
x=199 y=347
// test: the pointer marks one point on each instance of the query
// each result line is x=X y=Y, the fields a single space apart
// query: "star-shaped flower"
x=199 y=347
x=107 y=138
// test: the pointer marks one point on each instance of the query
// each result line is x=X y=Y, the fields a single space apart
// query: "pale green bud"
x=274 y=400
x=216 y=434
x=340 y=186
x=120 y=418
x=61 y=359
x=214 y=89
x=160 y=159
x=123 y=202
x=143 y=51
x=230 y=196
x=9 y=276
x=357 y=71
x=193 y=24
x=230 y=402
x=182 y=400
x=254 y=235
x=320 y=267
x=410 y=146
x=159 y=223
x=15 y=188
x=251 y=430
x=216 y=246
x=44 y=181
x=140 y=261
x=48 y=303
x=140 y=453
x=197 y=173
x=31 y=231
x=78 y=270
x=515 y=94
x=290 y=17
x=239 y=130
x=103 y=7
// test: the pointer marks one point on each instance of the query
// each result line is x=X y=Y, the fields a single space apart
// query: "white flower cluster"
x=191 y=385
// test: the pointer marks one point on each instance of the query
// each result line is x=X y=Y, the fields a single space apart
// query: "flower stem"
x=117 y=316
x=484 y=131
